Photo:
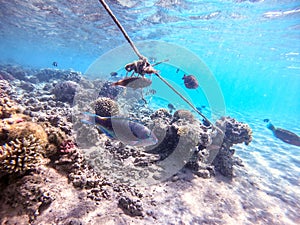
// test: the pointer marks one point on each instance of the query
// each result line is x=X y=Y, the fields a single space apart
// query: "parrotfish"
x=190 y=81
x=284 y=135
x=123 y=129
x=133 y=82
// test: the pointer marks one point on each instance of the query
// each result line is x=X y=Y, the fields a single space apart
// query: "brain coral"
x=20 y=155
x=106 y=107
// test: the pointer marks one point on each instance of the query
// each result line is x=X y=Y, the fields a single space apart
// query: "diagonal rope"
x=141 y=57
x=106 y=7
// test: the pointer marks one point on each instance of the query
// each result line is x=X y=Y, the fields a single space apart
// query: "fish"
x=54 y=64
x=200 y=108
x=190 y=81
x=123 y=129
x=284 y=135
x=133 y=82
x=113 y=74
x=171 y=107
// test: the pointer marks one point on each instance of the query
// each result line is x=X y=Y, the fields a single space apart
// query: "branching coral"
x=21 y=155
x=25 y=146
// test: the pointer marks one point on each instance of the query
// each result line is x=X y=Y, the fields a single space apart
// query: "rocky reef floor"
x=47 y=177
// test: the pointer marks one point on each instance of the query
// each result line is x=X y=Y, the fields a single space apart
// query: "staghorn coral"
x=21 y=154
x=106 y=107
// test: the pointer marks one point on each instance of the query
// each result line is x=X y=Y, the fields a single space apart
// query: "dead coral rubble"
x=28 y=194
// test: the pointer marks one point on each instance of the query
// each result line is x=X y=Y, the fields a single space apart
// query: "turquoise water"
x=251 y=47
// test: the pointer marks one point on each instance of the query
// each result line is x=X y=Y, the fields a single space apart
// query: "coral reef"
x=25 y=129
x=106 y=107
x=65 y=91
x=180 y=127
x=7 y=106
x=6 y=76
x=96 y=172
x=47 y=75
x=29 y=193
x=109 y=91
x=235 y=132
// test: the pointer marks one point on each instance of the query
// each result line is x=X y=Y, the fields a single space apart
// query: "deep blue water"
x=252 y=48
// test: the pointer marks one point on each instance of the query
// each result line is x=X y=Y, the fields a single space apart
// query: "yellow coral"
x=25 y=129
x=21 y=154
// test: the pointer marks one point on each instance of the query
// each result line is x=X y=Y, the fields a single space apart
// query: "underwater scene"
x=174 y=112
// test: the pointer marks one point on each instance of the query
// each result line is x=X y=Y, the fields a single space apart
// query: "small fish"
x=171 y=107
x=124 y=129
x=201 y=107
x=177 y=70
x=190 y=81
x=133 y=82
x=54 y=64
x=113 y=74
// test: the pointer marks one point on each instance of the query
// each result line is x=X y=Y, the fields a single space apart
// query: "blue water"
x=251 y=47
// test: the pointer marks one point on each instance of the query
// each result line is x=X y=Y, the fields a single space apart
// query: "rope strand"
x=106 y=7
x=141 y=57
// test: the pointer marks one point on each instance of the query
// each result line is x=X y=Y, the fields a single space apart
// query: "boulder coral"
x=65 y=91
x=106 y=107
